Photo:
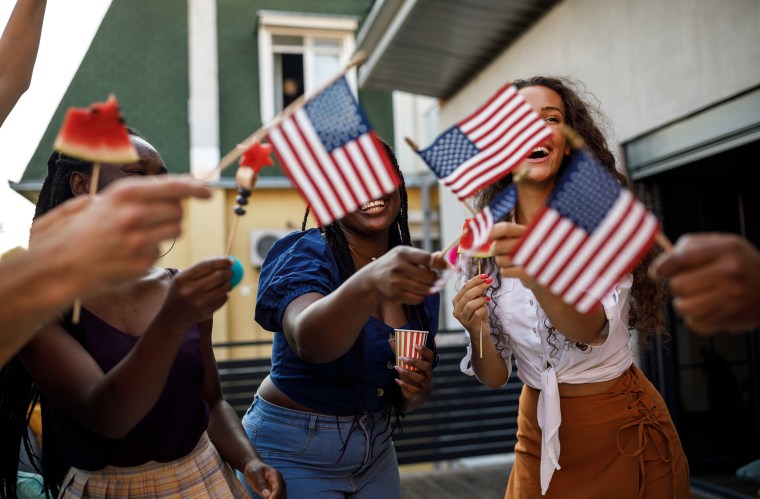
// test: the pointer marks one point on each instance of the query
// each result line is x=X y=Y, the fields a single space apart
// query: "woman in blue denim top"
x=333 y=297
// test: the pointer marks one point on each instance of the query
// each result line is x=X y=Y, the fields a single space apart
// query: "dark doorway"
x=712 y=383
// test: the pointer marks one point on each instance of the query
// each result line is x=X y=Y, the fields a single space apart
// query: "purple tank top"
x=169 y=431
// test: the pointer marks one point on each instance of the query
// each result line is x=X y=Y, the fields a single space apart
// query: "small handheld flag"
x=486 y=145
x=591 y=232
x=330 y=152
x=480 y=226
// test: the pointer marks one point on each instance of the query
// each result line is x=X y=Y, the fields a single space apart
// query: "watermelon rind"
x=96 y=133
x=124 y=156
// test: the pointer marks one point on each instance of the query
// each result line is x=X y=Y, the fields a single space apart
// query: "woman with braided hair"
x=333 y=295
x=131 y=400
x=590 y=424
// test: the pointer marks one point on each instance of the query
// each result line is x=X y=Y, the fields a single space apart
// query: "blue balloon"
x=237 y=271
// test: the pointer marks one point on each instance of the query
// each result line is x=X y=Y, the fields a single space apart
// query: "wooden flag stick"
x=231 y=237
x=77 y=312
x=664 y=243
x=229 y=158
x=480 y=271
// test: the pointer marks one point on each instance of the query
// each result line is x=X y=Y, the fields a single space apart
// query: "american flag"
x=480 y=226
x=331 y=154
x=486 y=145
x=591 y=232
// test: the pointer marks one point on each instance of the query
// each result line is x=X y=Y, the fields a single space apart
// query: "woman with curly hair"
x=581 y=387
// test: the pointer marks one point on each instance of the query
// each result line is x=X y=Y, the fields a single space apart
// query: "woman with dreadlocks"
x=131 y=400
x=581 y=387
x=333 y=296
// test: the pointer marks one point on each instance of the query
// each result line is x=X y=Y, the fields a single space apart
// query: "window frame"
x=309 y=27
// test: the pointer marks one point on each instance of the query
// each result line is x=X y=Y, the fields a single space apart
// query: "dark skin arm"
x=226 y=432
x=400 y=276
x=715 y=281
x=416 y=386
x=112 y=403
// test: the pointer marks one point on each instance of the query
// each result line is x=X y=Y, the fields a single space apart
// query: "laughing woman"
x=590 y=424
x=333 y=296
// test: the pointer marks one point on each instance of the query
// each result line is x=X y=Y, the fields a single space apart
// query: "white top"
x=540 y=367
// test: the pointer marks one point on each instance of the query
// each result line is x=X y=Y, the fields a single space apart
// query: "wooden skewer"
x=481 y=322
x=664 y=243
x=77 y=312
x=231 y=237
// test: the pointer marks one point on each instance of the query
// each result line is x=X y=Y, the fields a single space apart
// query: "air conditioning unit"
x=262 y=241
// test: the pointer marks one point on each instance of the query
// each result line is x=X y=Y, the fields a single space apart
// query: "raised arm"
x=112 y=403
x=38 y=285
x=715 y=281
x=18 y=52
x=576 y=326
x=322 y=328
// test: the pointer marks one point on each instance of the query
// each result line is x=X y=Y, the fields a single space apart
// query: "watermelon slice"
x=96 y=133
x=465 y=244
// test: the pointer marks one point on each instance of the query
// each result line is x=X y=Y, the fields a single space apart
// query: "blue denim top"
x=363 y=378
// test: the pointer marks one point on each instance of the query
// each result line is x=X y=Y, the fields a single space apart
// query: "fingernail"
x=488 y=298
x=418 y=348
x=404 y=359
x=400 y=369
x=489 y=280
x=398 y=382
x=483 y=276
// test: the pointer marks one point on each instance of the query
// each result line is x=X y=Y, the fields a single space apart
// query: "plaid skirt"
x=202 y=473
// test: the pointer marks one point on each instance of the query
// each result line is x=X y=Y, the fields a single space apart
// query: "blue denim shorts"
x=317 y=458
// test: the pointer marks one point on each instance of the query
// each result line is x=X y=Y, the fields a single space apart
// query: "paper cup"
x=405 y=341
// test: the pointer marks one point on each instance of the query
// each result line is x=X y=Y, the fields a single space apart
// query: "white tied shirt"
x=525 y=336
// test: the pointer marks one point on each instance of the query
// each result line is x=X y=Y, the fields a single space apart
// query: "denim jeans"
x=308 y=449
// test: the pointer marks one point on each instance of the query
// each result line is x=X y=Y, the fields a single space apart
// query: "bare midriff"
x=269 y=392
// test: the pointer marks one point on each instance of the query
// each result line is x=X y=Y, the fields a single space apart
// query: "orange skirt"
x=621 y=444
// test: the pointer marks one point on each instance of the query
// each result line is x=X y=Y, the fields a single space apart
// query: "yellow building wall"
x=206 y=229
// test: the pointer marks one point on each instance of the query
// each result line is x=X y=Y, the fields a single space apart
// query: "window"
x=298 y=53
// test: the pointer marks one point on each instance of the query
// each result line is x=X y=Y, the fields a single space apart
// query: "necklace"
x=357 y=252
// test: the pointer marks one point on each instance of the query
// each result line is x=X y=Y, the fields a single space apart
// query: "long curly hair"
x=647 y=312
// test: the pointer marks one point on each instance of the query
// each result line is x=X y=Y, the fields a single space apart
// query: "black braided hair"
x=18 y=392
x=398 y=235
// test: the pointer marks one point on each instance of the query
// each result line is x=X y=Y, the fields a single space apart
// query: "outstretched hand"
x=402 y=275
x=119 y=229
x=715 y=281
x=505 y=236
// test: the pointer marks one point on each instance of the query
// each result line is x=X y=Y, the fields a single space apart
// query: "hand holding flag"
x=592 y=231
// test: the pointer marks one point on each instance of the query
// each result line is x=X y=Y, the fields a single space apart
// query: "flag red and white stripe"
x=578 y=264
x=331 y=154
x=486 y=145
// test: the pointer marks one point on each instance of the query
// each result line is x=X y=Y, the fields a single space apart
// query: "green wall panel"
x=139 y=54
x=240 y=112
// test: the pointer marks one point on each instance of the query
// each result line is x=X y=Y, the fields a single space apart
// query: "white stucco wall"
x=648 y=62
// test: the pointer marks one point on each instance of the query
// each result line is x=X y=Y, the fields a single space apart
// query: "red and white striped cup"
x=405 y=341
